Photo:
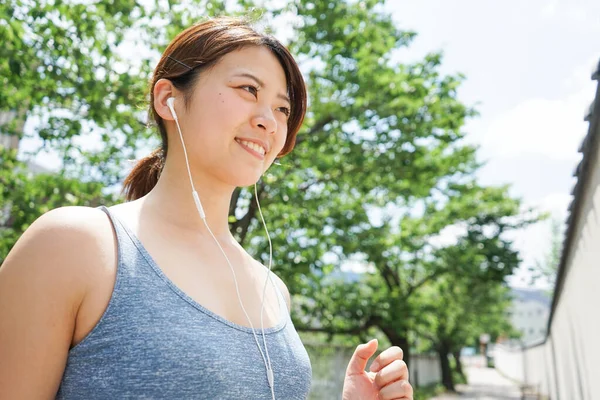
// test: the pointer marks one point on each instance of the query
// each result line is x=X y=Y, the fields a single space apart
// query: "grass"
x=429 y=391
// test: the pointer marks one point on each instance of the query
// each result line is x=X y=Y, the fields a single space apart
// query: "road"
x=484 y=384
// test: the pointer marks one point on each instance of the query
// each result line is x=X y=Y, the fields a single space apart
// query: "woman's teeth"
x=254 y=146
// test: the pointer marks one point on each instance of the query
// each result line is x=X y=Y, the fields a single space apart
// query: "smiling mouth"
x=254 y=147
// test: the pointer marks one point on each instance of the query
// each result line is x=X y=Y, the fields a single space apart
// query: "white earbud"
x=170 y=104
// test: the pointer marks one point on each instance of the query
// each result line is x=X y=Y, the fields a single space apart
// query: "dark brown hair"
x=193 y=51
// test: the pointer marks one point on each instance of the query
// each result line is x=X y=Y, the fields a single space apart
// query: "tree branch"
x=395 y=275
x=307 y=184
x=390 y=277
x=423 y=281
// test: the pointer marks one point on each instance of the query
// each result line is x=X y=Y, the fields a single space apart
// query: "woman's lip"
x=253 y=152
x=257 y=141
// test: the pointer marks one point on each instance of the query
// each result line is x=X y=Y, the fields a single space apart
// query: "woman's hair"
x=192 y=52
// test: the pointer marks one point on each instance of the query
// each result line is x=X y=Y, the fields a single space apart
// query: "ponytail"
x=144 y=176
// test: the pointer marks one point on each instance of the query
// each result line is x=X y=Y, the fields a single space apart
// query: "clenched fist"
x=386 y=380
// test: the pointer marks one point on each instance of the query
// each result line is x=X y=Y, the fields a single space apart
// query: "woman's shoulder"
x=67 y=239
x=69 y=218
x=72 y=224
x=45 y=280
x=67 y=229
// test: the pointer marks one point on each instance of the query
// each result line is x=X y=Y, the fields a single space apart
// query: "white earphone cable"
x=267 y=359
x=268 y=273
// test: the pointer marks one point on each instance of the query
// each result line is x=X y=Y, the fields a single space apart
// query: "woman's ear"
x=163 y=89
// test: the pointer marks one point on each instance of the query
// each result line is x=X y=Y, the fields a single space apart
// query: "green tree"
x=397 y=297
x=460 y=307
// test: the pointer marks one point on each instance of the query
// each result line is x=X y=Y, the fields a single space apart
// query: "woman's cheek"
x=231 y=103
x=281 y=137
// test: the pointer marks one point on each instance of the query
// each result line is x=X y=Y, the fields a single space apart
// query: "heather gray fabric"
x=155 y=342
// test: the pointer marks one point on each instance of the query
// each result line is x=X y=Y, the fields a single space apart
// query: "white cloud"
x=553 y=128
x=549 y=10
x=581 y=76
x=582 y=14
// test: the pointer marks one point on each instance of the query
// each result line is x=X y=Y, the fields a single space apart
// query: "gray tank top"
x=155 y=342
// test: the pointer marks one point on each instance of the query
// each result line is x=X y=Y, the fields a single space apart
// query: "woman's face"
x=236 y=123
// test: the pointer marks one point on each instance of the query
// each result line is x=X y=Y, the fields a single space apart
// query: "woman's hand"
x=387 y=379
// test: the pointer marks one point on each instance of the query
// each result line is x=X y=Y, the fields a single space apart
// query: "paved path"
x=484 y=384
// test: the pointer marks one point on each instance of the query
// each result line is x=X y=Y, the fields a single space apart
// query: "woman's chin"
x=247 y=180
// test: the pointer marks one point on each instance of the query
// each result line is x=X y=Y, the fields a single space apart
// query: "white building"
x=529 y=314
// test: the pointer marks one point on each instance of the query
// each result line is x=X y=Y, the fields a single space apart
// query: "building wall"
x=425 y=370
x=565 y=366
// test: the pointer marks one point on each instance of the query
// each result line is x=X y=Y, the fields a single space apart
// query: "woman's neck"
x=172 y=200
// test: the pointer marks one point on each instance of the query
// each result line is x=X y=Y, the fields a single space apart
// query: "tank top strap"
x=282 y=302
x=117 y=226
x=128 y=254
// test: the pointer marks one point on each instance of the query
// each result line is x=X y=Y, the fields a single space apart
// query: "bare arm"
x=43 y=281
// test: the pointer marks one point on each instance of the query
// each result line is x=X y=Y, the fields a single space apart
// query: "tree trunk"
x=234 y=201
x=447 y=381
x=400 y=341
x=241 y=226
x=459 y=368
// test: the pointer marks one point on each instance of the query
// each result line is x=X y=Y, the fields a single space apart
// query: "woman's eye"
x=250 y=89
x=285 y=110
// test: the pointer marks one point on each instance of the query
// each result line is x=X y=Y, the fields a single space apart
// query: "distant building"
x=529 y=314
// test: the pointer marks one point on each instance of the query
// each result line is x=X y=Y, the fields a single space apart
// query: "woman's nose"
x=265 y=120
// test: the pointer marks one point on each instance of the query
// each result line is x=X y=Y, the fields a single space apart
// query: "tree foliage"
x=24 y=196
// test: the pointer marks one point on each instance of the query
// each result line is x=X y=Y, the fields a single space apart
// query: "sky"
x=528 y=67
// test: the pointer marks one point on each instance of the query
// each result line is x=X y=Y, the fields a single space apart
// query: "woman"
x=154 y=298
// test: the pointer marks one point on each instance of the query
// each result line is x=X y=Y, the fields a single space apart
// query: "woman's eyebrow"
x=262 y=84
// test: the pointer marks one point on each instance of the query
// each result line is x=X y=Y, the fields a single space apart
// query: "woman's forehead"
x=257 y=61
